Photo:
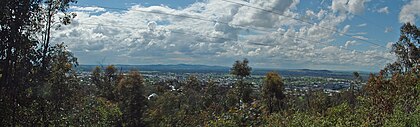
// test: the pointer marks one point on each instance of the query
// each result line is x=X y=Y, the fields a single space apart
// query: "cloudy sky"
x=288 y=34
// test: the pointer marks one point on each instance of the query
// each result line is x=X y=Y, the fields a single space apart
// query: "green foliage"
x=182 y=108
x=389 y=96
x=191 y=96
x=211 y=94
x=28 y=64
x=243 y=91
x=61 y=85
x=247 y=115
x=222 y=122
x=132 y=101
x=272 y=92
x=401 y=118
x=301 y=119
x=163 y=111
x=96 y=112
x=340 y=115
x=106 y=81
x=232 y=98
x=193 y=84
x=96 y=77
x=241 y=69
x=318 y=101
x=406 y=49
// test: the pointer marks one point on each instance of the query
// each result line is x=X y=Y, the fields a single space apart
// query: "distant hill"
x=305 y=72
x=175 y=68
x=189 y=68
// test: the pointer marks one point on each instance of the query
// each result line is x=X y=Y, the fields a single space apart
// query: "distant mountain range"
x=176 y=68
x=189 y=68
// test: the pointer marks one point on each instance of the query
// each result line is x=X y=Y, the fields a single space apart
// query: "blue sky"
x=320 y=34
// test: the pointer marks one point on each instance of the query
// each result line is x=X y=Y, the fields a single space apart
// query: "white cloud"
x=360 y=37
x=362 y=25
x=339 y=5
x=89 y=9
x=151 y=25
x=350 y=43
x=136 y=37
x=410 y=12
x=356 y=6
x=388 y=29
x=383 y=10
x=345 y=30
x=348 y=6
x=249 y=16
x=389 y=45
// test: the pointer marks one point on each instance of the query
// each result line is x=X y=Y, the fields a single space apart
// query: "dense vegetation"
x=38 y=87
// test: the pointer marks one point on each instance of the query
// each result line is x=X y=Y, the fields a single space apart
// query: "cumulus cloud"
x=348 y=6
x=350 y=43
x=410 y=12
x=383 y=10
x=250 y=16
x=356 y=6
x=151 y=25
x=339 y=5
x=142 y=35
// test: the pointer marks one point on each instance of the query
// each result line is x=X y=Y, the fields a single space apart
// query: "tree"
x=193 y=84
x=25 y=59
x=132 y=101
x=62 y=84
x=385 y=95
x=406 y=49
x=210 y=93
x=393 y=90
x=213 y=96
x=357 y=79
x=17 y=52
x=95 y=111
x=241 y=69
x=164 y=110
x=231 y=99
x=352 y=97
x=272 y=92
x=110 y=82
x=192 y=95
x=242 y=89
x=96 y=77
x=106 y=81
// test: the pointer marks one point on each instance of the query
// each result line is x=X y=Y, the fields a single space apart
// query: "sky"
x=353 y=35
